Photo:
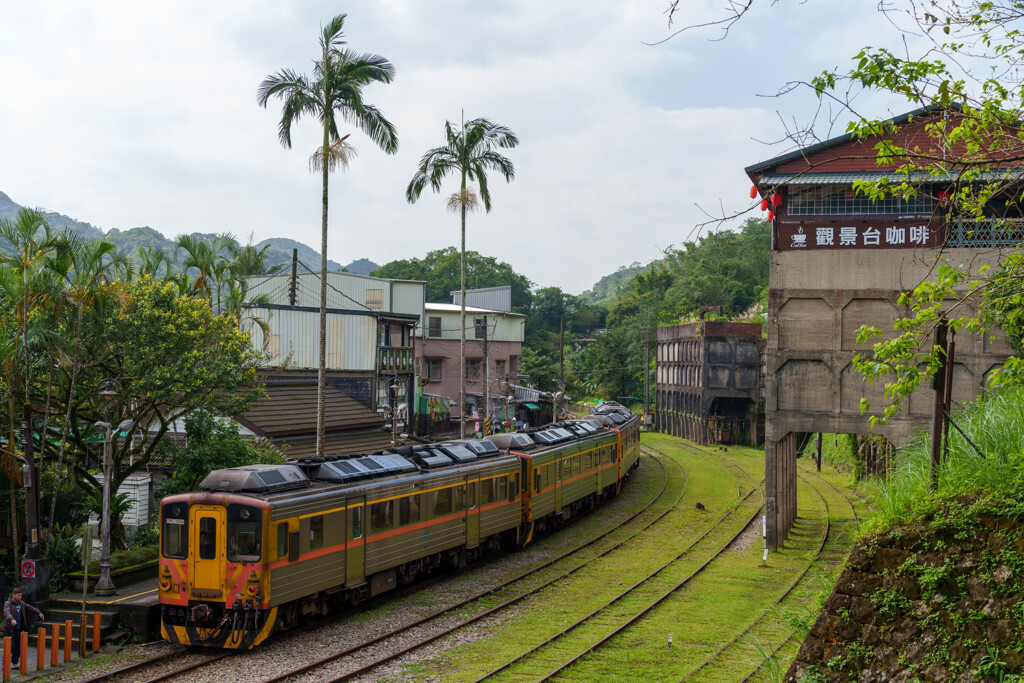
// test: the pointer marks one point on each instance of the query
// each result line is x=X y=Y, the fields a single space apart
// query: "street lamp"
x=107 y=400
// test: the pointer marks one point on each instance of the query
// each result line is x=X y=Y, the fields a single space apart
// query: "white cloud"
x=124 y=114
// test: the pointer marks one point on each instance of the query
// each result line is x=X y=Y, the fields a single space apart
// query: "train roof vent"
x=255 y=479
x=517 y=441
x=482 y=447
x=458 y=453
x=430 y=459
x=388 y=464
x=602 y=420
x=552 y=436
x=583 y=427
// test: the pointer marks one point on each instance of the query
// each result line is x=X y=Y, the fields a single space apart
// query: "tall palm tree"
x=209 y=260
x=334 y=89
x=470 y=153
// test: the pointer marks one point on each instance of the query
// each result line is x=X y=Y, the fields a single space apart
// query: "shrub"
x=64 y=554
x=147 y=534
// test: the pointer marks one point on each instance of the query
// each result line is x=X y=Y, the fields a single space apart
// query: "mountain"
x=607 y=287
x=57 y=221
x=280 y=251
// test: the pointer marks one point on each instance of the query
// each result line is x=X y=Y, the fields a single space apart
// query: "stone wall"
x=924 y=604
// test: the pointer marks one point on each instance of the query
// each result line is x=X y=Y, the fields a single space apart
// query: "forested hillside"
x=607 y=330
x=279 y=249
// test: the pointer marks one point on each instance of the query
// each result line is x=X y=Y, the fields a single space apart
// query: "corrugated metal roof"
x=346 y=443
x=848 y=178
x=290 y=409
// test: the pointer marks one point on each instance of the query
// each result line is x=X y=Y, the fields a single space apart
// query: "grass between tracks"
x=718 y=604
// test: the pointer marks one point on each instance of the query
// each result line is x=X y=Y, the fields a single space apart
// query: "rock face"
x=943 y=601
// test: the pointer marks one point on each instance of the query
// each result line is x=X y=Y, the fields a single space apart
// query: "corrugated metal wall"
x=491 y=298
x=294 y=339
x=408 y=297
x=344 y=290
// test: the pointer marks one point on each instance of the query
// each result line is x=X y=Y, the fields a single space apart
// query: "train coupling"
x=201 y=614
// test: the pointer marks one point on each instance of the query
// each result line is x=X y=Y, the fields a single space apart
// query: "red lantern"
x=771 y=216
x=764 y=204
x=776 y=199
x=943 y=195
x=753 y=191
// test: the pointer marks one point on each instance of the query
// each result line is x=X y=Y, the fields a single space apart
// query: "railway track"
x=160 y=661
x=503 y=603
x=610 y=615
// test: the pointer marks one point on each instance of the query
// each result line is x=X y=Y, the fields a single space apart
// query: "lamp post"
x=107 y=399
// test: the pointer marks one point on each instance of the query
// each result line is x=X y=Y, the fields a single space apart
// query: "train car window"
x=380 y=516
x=316 y=532
x=356 y=515
x=282 y=539
x=513 y=489
x=244 y=525
x=409 y=510
x=537 y=483
x=471 y=498
x=486 y=491
x=207 y=538
x=443 y=502
x=502 y=488
x=576 y=462
x=459 y=499
x=175 y=530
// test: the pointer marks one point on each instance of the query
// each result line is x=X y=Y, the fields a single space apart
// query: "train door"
x=472 y=514
x=355 y=546
x=208 y=529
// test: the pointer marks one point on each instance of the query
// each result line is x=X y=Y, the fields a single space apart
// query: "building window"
x=434 y=327
x=480 y=328
x=433 y=369
x=375 y=299
x=500 y=368
x=474 y=368
x=842 y=200
x=513 y=366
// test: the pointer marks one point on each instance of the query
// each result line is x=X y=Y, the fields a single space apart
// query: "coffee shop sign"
x=838 y=237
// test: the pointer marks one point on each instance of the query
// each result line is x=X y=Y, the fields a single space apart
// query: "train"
x=259 y=549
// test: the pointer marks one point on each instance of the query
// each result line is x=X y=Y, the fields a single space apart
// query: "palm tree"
x=209 y=260
x=335 y=88
x=469 y=152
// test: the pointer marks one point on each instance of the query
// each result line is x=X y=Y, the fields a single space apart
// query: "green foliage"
x=63 y=554
x=996 y=426
x=147 y=534
x=213 y=443
x=440 y=270
x=120 y=503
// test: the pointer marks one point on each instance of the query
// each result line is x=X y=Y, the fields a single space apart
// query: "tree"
x=441 y=270
x=335 y=88
x=469 y=152
x=172 y=356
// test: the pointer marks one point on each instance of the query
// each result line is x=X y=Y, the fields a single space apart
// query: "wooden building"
x=708 y=382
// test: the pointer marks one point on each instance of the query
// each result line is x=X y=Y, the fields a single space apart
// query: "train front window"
x=175 y=530
x=243 y=533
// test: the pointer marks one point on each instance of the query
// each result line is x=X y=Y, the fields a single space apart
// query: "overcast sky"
x=133 y=113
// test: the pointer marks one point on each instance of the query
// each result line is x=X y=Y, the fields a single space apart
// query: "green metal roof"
x=532 y=406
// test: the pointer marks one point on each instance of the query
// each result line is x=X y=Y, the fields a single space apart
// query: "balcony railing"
x=987 y=232
x=394 y=359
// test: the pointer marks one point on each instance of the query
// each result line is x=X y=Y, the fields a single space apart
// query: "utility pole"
x=561 y=350
x=938 y=418
x=292 y=285
x=487 y=383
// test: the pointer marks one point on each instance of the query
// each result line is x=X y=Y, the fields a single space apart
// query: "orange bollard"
x=95 y=631
x=7 y=658
x=67 y=641
x=41 y=648
x=23 y=661
x=54 y=644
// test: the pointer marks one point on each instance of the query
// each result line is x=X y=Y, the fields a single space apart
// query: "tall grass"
x=995 y=425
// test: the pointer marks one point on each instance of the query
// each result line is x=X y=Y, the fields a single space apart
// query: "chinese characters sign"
x=860 y=235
